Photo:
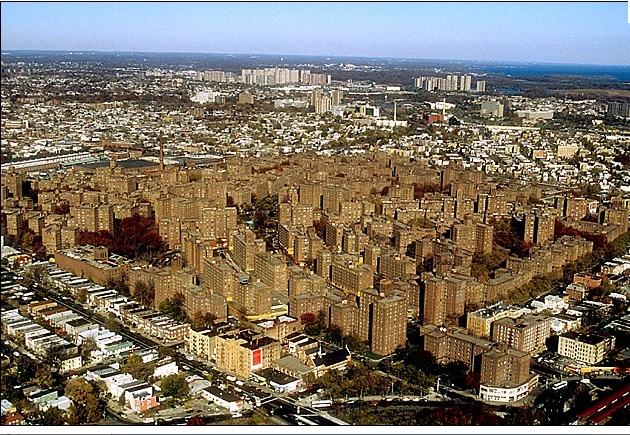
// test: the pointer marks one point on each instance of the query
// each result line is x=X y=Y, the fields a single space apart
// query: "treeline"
x=602 y=249
x=316 y=325
x=135 y=238
x=470 y=414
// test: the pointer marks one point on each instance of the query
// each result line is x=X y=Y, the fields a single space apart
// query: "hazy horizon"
x=562 y=33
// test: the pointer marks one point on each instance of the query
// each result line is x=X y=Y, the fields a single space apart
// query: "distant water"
x=621 y=73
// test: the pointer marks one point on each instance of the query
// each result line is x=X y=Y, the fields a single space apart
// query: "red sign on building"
x=257 y=357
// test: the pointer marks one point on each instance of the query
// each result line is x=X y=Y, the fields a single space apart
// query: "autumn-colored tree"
x=78 y=389
x=308 y=318
x=196 y=421
x=521 y=416
x=86 y=406
x=419 y=190
x=96 y=238
x=112 y=323
x=82 y=295
x=473 y=380
x=456 y=372
x=137 y=367
x=457 y=416
x=26 y=369
x=144 y=293
x=175 y=386
x=62 y=208
x=320 y=227
x=43 y=378
x=53 y=416
x=201 y=321
x=136 y=237
x=334 y=334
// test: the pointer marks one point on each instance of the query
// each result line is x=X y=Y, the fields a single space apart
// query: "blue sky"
x=563 y=32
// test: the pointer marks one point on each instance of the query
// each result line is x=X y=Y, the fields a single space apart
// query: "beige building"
x=272 y=270
x=396 y=266
x=389 y=325
x=527 y=333
x=93 y=263
x=253 y=299
x=351 y=277
x=218 y=276
x=479 y=323
x=246 y=351
x=589 y=349
x=202 y=343
x=246 y=246
x=444 y=299
x=500 y=367
x=454 y=345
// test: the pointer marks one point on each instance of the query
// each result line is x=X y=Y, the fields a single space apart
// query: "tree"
x=82 y=296
x=521 y=416
x=335 y=334
x=473 y=380
x=54 y=356
x=144 y=293
x=137 y=237
x=196 y=421
x=94 y=409
x=202 y=321
x=87 y=408
x=308 y=319
x=136 y=367
x=456 y=371
x=320 y=227
x=112 y=323
x=174 y=308
x=209 y=319
x=53 y=416
x=26 y=369
x=322 y=319
x=78 y=389
x=43 y=378
x=355 y=344
x=175 y=386
x=87 y=347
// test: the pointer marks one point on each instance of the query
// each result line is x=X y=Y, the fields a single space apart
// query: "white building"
x=165 y=367
x=222 y=398
x=507 y=393
x=589 y=349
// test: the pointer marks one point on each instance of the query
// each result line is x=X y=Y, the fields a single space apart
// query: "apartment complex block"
x=589 y=349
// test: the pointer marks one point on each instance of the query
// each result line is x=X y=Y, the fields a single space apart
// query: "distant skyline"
x=561 y=32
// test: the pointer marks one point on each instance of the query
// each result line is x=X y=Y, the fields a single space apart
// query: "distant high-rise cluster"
x=323 y=102
x=217 y=76
x=451 y=82
x=615 y=108
x=261 y=77
x=282 y=76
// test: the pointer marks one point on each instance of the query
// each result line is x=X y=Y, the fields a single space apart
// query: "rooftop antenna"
x=161 y=152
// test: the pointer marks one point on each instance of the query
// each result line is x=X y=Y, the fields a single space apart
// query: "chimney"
x=161 y=152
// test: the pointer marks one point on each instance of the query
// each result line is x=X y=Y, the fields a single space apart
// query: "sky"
x=562 y=32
